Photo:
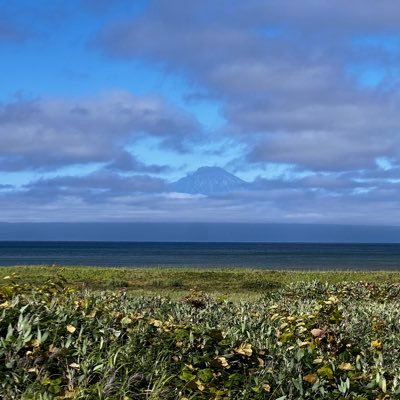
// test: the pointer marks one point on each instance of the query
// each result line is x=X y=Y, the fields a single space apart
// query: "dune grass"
x=177 y=281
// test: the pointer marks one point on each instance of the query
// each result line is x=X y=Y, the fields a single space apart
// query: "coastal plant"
x=307 y=340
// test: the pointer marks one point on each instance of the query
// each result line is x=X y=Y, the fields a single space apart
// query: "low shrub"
x=306 y=341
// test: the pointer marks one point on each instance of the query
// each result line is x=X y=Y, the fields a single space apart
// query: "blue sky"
x=103 y=104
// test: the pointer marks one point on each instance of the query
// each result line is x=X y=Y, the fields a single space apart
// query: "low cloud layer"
x=109 y=196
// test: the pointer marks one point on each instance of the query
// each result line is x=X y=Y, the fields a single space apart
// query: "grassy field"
x=236 y=283
x=242 y=334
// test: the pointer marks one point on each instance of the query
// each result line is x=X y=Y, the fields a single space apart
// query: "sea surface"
x=306 y=256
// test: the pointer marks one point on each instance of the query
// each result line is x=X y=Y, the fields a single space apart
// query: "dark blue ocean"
x=252 y=255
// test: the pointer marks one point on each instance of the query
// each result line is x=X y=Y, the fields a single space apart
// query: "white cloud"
x=55 y=132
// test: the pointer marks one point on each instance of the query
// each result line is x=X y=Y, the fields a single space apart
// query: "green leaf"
x=187 y=376
x=205 y=374
x=97 y=367
x=126 y=321
x=286 y=337
x=325 y=372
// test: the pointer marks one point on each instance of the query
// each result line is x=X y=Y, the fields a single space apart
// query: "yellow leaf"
x=222 y=361
x=35 y=343
x=376 y=344
x=6 y=304
x=71 y=328
x=266 y=387
x=74 y=365
x=200 y=385
x=52 y=348
x=244 y=349
x=346 y=367
x=274 y=317
x=310 y=378
x=137 y=316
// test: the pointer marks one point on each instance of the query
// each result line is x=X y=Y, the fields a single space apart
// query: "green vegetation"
x=298 y=340
x=176 y=282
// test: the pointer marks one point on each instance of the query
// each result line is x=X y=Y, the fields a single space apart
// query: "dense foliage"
x=303 y=341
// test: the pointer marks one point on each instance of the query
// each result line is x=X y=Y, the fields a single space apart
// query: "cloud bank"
x=282 y=71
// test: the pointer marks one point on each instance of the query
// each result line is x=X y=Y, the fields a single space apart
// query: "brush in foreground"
x=304 y=341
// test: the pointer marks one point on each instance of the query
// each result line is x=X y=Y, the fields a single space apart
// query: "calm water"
x=259 y=255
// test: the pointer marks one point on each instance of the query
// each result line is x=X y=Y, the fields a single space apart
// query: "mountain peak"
x=208 y=181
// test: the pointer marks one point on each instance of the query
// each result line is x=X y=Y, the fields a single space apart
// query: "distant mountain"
x=208 y=181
